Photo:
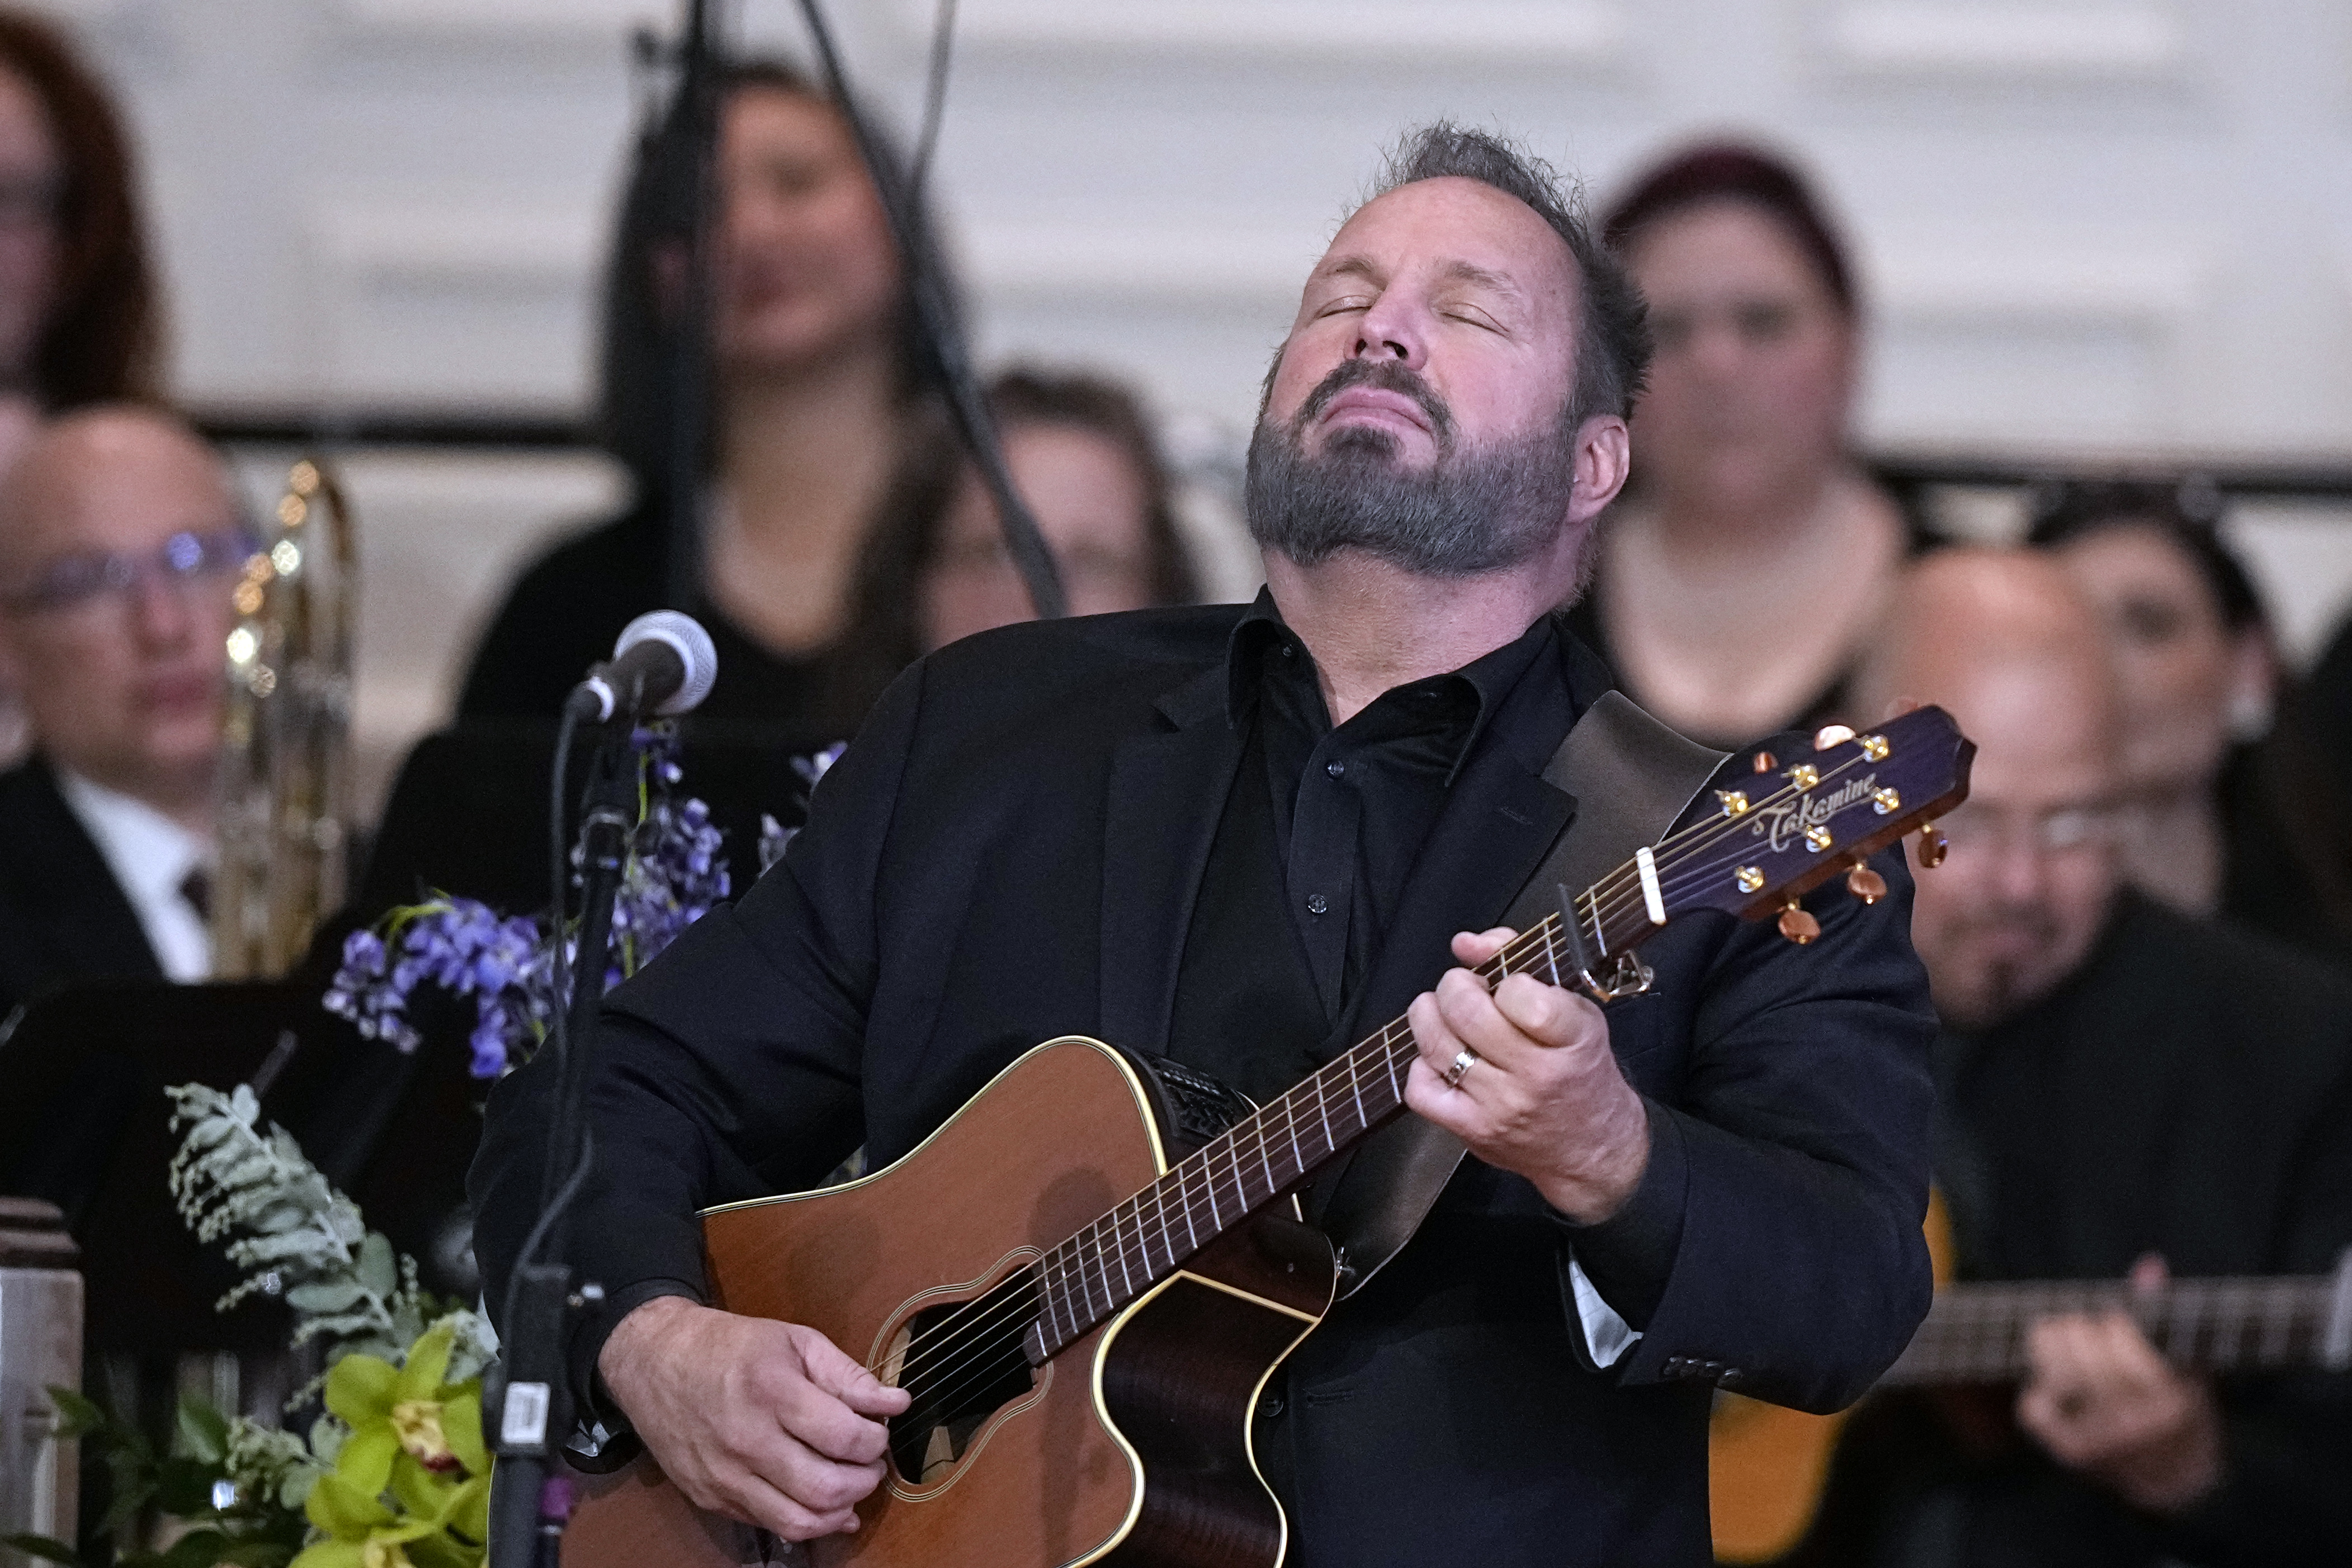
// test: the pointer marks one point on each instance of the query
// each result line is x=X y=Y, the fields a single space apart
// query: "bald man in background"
x=121 y=540
x=2122 y=1089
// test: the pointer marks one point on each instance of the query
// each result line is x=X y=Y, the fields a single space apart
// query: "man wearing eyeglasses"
x=2123 y=1090
x=120 y=542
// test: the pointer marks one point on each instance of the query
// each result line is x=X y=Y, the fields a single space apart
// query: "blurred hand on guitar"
x=2104 y=1401
x=1525 y=1077
x=767 y=1423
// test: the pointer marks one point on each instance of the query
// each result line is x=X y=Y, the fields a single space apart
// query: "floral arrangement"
x=675 y=874
x=395 y=1473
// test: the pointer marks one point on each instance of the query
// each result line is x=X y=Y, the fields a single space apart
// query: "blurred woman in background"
x=2228 y=810
x=1083 y=456
x=79 y=319
x=1752 y=554
x=819 y=389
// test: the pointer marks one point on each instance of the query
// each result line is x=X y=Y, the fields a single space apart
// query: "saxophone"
x=286 y=766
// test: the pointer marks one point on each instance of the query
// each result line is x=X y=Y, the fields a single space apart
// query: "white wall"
x=2088 y=224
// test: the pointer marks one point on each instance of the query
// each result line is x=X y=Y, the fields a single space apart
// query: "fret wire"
x=1056 y=1304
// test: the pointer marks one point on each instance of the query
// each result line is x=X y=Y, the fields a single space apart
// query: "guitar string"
x=1181 y=1177
x=954 y=1334
x=1388 y=1051
x=1261 y=1125
x=1388 y=1060
x=1356 y=1060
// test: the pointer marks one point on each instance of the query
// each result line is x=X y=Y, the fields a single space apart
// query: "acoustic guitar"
x=1086 y=1275
x=1767 y=1466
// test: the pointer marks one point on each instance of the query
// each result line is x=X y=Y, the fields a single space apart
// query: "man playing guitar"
x=1239 y=837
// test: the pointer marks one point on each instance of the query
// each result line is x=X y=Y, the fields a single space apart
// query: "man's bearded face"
x=1474 y=508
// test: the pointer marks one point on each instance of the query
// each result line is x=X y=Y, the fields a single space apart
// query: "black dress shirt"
x=1314 y=845
x=1317 y=843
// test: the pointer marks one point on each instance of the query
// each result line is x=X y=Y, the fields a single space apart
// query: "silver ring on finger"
x=1463 y=1060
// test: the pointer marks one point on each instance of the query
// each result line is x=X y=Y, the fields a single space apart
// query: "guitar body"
x=1767 y=1465
x=1129 y=1447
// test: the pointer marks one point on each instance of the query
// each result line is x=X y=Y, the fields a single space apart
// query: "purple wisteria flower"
x=675 y=873
x=775 y=837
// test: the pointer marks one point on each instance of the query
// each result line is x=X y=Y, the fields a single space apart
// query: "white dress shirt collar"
x=151 y=857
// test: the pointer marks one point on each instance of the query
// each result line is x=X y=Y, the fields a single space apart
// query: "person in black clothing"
x=2234 y=810
x=1243 y=836
x=818 y=386
x=120 y=542
x=2122 y=1089
x=1740 y=576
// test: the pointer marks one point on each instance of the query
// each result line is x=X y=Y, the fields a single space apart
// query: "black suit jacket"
x=2188 y=1091
x=1009 y=851
x=62 y=916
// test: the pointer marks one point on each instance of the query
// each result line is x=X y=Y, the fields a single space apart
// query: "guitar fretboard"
x=1126 y=1251
x=1119 y=1256
x=1977 y=1334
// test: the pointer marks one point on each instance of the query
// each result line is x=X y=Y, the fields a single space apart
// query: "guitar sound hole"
x=961 y=1362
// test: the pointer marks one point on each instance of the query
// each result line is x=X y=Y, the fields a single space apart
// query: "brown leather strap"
x=1632 y=777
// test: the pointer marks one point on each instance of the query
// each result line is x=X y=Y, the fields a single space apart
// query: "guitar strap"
x=1631 y=777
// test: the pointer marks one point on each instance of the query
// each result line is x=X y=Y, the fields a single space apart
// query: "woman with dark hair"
x=817 y=400
x=1084 y=458
x=78 y=318
x=2227 y=810
x=1752 y=554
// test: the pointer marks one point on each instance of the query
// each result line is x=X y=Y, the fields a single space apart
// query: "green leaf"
x=128 y=1500
x=326 y=1296
x=184 y=1486
x=197 y=1548
x=78 y=1415
x=204 y=1431
x=42 y=1548
x=378 y=1269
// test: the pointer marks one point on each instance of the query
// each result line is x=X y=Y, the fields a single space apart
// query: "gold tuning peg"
x=1864 y=883
x=1798 y=925
x=1830 y=735
x=1933 y=845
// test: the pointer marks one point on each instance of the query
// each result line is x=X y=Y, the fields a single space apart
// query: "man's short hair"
x=1613 y=340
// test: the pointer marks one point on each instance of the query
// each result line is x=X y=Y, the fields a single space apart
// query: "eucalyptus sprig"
x=300 y=1238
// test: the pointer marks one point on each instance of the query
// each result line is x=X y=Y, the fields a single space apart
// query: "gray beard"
x=1476 y=510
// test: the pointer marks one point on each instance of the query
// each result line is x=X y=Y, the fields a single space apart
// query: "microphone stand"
x=531 y=1497
x=685 y=153
x=1039 y=573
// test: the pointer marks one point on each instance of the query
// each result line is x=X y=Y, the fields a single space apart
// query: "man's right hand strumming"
x=767 y=1423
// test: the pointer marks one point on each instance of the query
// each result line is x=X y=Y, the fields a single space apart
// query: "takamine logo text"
x=1781 y=824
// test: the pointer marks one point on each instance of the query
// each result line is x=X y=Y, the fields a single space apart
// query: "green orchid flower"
x=411 y=1487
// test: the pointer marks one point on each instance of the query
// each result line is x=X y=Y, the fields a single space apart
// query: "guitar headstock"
x=1771 y=827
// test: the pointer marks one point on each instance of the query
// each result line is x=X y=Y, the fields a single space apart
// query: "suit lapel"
x=1167 y=794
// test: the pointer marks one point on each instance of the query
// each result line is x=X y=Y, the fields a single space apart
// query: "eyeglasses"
x=2058 y=830
x=76 y=582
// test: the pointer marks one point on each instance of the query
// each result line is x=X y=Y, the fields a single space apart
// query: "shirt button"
x=1318 y=904
x=1335 y=769
x=1289 y=650
x=1270 y=1406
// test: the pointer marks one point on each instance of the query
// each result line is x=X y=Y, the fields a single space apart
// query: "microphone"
x=663 y=664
